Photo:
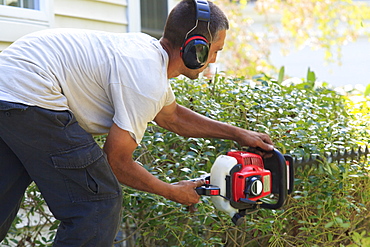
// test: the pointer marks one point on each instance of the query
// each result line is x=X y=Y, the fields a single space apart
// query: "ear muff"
x=194 y=52
x=195 y=49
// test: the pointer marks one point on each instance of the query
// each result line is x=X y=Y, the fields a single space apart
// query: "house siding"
x=106 y=15
x=98 y=15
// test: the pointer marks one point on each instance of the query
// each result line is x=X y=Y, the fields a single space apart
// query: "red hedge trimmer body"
x=240 y=180
x=252 y=181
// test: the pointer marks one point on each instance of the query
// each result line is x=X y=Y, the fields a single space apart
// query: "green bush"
x=331 y=202
x=330 y=205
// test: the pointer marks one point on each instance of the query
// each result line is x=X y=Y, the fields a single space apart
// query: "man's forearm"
x=191 y=124
x=188 y=123
x=135 y=176
x=119 y=148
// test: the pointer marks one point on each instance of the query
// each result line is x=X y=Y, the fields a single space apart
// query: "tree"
x=319 y=24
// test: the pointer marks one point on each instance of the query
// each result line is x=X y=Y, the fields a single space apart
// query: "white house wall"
x=107 y=15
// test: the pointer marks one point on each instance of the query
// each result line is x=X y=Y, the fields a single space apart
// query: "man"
x=58 y=87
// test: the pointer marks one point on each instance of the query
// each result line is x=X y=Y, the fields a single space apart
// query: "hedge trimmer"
x=241 y=181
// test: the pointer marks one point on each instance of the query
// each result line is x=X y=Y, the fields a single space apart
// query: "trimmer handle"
x=208 y=190
x=280 y=171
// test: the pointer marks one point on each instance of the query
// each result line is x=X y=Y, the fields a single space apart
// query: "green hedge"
x=330 y=206
x=331 y=202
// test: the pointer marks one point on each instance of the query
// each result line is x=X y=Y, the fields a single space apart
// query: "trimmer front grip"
x=278 y=167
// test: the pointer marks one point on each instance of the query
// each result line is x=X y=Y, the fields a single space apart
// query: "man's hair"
x=182 y=19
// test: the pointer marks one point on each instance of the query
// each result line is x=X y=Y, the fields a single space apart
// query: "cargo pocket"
x=87 y=174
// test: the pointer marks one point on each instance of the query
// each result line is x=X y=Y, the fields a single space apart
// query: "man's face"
x=216 y=46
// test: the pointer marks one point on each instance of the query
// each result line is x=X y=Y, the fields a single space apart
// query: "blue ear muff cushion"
x=195 y=52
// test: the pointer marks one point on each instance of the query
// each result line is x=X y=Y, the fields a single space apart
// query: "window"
x=26 y=10
x=20 y=17
x=153 y=16
x=27 y=4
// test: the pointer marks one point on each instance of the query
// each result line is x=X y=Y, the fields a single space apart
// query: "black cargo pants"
x=71 y=171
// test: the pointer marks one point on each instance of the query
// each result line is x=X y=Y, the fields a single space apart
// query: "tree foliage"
x=319 y=24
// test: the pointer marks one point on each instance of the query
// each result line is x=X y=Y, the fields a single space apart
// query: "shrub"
x=330 y=204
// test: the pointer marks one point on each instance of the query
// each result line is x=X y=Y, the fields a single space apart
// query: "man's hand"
x=184 y=192
x=255 y=140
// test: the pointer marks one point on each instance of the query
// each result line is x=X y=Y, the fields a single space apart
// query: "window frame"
x=16 y=22
x=27 y=15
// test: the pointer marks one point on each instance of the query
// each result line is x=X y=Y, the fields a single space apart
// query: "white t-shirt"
x=101 y=77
